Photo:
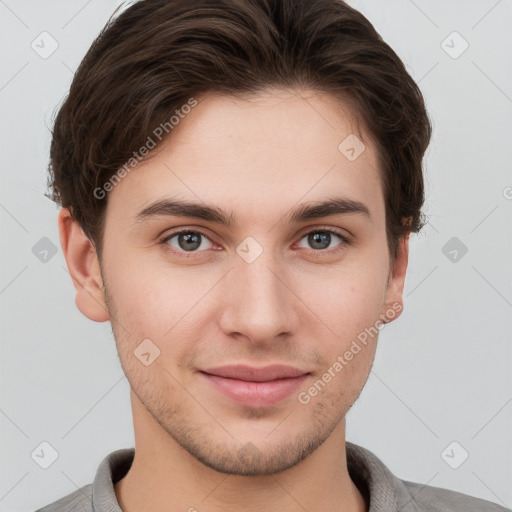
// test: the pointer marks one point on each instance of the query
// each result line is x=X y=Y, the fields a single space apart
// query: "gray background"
x=442 y=371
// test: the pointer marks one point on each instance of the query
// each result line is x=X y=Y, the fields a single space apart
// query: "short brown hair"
x=153 y=57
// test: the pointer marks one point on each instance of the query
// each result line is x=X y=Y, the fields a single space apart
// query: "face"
x=267 y=279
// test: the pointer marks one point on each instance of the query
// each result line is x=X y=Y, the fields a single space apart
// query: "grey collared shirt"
x=383 y=491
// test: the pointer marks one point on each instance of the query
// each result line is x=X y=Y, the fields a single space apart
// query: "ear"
x=84 y=268
x=393 y=304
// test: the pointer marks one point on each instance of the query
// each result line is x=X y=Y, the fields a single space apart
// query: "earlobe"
x=393 y=305
x=84 y=268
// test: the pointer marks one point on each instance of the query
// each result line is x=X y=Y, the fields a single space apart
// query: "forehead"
x=264 y=152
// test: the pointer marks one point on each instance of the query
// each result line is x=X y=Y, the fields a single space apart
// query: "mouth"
x=255 y=387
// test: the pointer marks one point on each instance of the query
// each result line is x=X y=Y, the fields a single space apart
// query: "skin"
x=259 y=157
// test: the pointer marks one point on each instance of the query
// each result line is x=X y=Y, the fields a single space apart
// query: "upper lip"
x=252 y=374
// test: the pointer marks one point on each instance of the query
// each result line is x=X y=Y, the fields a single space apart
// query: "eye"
x=187 y=240
x=321 y=239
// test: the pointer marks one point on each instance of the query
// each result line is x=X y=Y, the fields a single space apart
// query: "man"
x=239 y=180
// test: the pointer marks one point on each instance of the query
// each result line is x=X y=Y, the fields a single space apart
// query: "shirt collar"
x=381 y=489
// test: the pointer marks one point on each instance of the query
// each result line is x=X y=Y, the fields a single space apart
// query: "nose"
x=258 y=302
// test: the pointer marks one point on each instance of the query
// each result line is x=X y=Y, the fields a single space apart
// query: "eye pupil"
x=189 y=238
x=191 y=241
x=320 y=237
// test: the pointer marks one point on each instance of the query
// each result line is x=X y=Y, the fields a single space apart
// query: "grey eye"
x=188 y=241
x=320 y=239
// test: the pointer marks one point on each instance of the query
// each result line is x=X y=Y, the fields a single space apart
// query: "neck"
x=164 y=476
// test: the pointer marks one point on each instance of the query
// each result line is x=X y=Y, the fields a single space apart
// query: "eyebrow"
x=308 y=211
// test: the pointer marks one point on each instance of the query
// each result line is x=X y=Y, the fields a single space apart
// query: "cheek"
x=347 y=298
x=150 y=294
x=347 y=303
x=162 y=304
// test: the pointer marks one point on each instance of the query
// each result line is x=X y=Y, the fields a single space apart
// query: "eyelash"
x=194 y=254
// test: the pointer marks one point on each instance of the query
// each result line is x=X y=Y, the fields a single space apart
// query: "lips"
x=250 y=374
x=255 y=387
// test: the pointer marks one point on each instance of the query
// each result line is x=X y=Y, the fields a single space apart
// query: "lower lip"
x=256 y=394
